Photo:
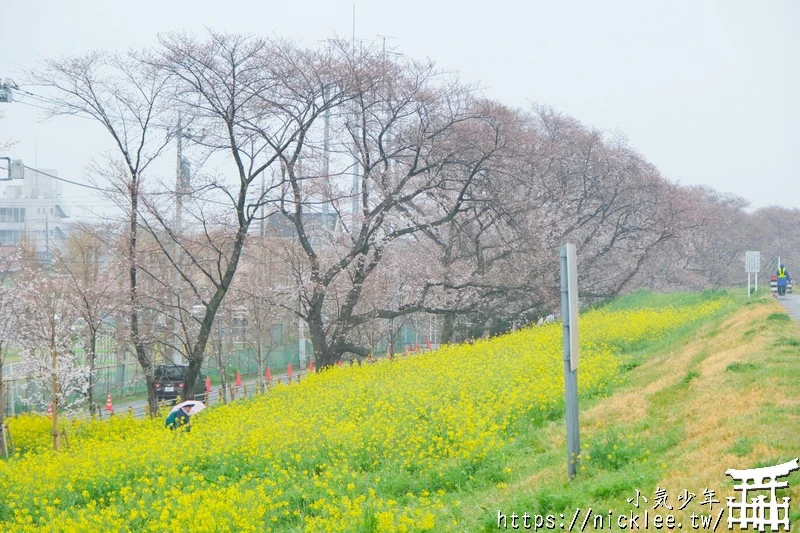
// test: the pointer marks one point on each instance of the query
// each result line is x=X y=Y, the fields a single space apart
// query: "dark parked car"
x=169 y=382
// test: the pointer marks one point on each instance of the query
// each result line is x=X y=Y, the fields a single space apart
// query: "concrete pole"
x=326 y=148
x=261 y=222
x=180 y=189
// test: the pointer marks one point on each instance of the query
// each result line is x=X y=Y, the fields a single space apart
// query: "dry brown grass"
x=713 y=411
x=718 y=414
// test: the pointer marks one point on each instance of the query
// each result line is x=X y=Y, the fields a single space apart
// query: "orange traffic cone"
x=208 y=384
x=109 y=405
x=428 y=344
x=289 y=371
x=238 y=379
x=269 y=375
x=310 y=366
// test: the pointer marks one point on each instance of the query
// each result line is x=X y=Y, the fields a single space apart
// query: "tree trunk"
x=223 y=380
x=194 y=365
x=198 y=351
x=121 y=341
x=261 y=377
x=54 y=401
x=92 y=357
x=141 y=353
x=323 y=354
x=448 y=328
x=152 y=399
x=147 y=367
x=392 y=338
x=229 y=344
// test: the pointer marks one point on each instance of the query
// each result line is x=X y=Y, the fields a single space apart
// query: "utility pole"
x=355 y=187
x=301 y=331
x=179 y=177
x=262 y=221
x=48 y=255
x=181 y=186
x=326 y=147
x=383 y=38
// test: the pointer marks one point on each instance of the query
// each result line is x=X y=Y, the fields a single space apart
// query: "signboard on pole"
x=752 y=262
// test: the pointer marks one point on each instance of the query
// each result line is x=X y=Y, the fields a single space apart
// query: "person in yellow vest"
x=783 y=279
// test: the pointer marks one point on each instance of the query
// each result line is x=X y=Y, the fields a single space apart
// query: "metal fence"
x=126 y=380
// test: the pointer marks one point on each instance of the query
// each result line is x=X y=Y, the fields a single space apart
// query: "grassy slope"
x=721 y=395
x=725 y=395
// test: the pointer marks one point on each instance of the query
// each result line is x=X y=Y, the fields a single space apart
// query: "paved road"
x=791 y=302
x=139 y=407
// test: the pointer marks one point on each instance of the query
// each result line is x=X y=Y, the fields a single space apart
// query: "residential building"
x=33 y=209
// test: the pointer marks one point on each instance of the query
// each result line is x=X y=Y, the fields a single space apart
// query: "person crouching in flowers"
x=179 y=418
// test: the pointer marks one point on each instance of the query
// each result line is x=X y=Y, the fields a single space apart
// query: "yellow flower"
x=376 y=436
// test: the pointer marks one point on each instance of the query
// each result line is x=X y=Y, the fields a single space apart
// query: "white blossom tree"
x=95 y=290
x=46 y=339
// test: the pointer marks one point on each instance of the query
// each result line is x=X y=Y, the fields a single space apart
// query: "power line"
x=29 y=95
x=76 y=113
x=205 y=200
x=13 y=62
x=31 y=105
x=70 y=181
x=36 y=96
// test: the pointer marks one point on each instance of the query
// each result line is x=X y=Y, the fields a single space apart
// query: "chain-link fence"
x=117 y=373
x=22 y=392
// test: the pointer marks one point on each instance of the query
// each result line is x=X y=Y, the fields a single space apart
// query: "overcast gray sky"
x=705 y=90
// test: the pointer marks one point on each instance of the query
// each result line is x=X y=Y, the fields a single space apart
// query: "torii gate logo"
x=758 y=512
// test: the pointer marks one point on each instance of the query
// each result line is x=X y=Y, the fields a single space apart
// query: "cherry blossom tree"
x=47 y=340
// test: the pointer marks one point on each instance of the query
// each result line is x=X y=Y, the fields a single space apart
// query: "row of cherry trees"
x=349 y=189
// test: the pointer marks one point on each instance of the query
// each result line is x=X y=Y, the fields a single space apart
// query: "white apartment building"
x=33 y=209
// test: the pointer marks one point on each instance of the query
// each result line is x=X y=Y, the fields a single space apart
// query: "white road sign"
x=752 y=262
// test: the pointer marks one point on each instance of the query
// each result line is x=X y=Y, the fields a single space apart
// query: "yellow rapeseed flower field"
x=381 y=446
